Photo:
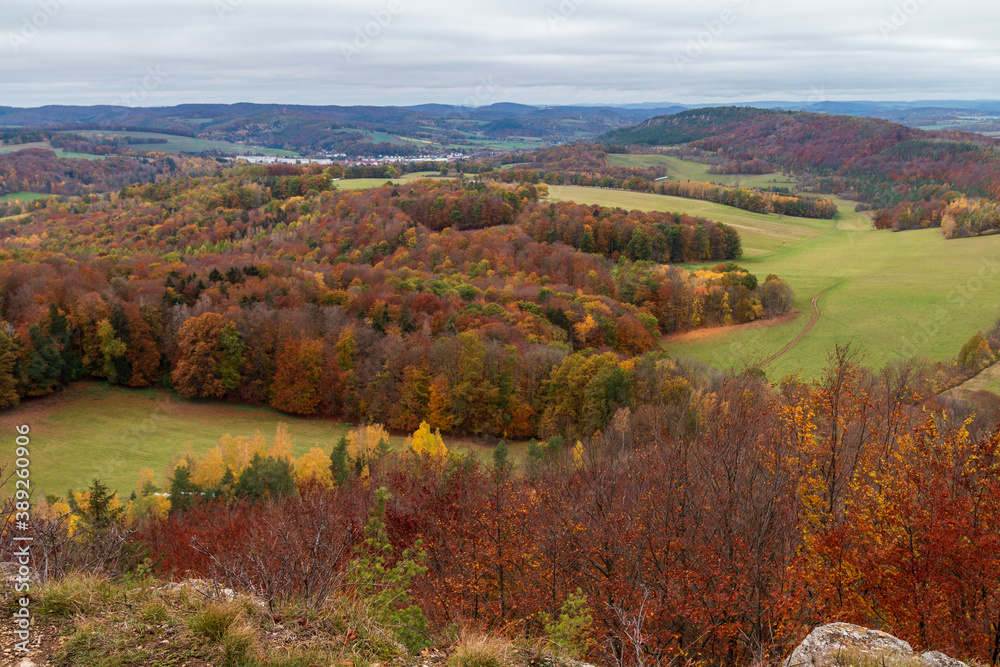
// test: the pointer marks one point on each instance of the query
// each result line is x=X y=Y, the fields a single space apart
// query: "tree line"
x=587 y=165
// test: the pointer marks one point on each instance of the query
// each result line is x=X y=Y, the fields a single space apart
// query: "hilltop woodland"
x=39 y=170
x=471 y=305
x=911 y=178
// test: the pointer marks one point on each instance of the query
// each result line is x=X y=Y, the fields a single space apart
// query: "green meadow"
x=95 y=431
x=24 y=197
x=363 y=183
x=893 y=295
x=178 y=144
x=45 y=145
x=366 y=183
x=684 y=170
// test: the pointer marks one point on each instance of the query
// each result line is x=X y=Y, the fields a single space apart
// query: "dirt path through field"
x=812 y=323
x=986 y=380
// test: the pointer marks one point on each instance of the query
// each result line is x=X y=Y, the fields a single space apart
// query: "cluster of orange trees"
x=963 y=217
x=39 y=170
x=473 y=306
x=719 y=526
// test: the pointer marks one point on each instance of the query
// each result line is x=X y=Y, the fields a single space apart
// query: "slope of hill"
x=690 y=125
x=911 y=175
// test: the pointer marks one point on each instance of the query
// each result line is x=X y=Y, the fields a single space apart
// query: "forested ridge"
x=475 y=306
x=39 y=170
x=909 y=176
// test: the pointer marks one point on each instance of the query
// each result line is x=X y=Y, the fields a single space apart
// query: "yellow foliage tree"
x=282 y=447
x=314 y=466
x=146 y=509
x=364 y=441
x=60 y=509
x=584 y=330
x=150 y=503
x=578 y=454
x=423 y=442
x=237 y=452
x=210 y=469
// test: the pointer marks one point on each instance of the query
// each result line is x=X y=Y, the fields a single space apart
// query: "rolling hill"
x=910 y=175
x=353 y=130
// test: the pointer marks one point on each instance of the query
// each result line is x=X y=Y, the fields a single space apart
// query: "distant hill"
x=910 y=175
x=981 y=116
x=439 y=128
x=353 y=130
x=689 y=125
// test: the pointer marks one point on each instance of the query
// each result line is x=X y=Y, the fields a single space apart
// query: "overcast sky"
x=165 y=52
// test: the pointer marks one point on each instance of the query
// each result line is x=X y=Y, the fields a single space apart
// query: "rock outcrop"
x=846 y=645
x=936 y=659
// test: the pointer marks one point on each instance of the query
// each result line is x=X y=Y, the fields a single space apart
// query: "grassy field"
x=14 y=148
x=362 y=183
x=176 y=144
x=761 y=233
x=45 y=145
x=365 y=183
x=24 y=196
x=92 y=430
x=684 y=170
x=894 y=295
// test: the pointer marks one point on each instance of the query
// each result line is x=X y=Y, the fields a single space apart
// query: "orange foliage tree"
x=210 y=356
x=298 y=379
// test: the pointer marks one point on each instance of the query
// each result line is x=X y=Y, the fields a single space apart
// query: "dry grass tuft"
x=483 y=651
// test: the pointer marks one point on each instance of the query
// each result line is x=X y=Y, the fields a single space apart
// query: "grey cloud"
x=565 y=51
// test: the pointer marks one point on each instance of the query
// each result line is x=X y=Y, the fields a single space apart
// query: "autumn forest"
x=632 y=507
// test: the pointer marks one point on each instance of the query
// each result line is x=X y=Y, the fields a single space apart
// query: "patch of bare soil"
x=714 y=332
